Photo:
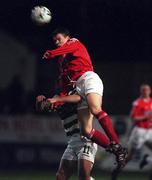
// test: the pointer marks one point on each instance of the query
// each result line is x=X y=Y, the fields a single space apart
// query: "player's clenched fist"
x=47 y=55
x=42 y=104
x=40 y=98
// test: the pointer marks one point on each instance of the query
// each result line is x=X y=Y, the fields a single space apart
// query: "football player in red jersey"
x=141 y=114
x=76 y=67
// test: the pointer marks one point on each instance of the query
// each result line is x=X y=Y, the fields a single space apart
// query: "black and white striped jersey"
x=68 y=115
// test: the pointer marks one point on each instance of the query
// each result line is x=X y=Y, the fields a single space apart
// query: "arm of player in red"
x=69 y=47
x=65 y=99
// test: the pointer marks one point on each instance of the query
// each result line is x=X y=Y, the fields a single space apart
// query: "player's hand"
x=47 y=55
x=42 y=105
x=40 y=98
x=54 y=102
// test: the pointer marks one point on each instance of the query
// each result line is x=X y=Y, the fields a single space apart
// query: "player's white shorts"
x=86 y=151
x=139 y=136
x=89 y=82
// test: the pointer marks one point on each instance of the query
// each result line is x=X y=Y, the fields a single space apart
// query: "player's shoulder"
x=73 y=40
x=137 y=101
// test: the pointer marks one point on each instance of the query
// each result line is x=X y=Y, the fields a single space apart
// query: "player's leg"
x=66 y=169
x=90 y=86
x=148 y=139
x=148 y=144
x=86 y=121
x=135 y=142
x=95 y=102
x=84 y=169
x=147 y=159
x=115 y=172
x=68 y=165
x=86 y=157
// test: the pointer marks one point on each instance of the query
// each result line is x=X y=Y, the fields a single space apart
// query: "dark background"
x=116 y=33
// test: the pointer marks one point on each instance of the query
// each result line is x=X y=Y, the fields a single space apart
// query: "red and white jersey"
x=74 y=59
x=142 y=107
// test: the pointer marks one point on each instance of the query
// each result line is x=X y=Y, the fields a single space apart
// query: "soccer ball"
x=41 y=15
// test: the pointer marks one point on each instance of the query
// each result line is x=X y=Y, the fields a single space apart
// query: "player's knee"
x=95 y=110
x=86 y=131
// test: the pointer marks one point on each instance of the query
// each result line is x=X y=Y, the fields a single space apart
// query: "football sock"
x=99 y=138
x=106 y=124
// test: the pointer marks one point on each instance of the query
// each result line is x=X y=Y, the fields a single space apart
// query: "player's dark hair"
x=61 y=30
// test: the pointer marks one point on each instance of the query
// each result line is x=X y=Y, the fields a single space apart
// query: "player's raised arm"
x=70 y=47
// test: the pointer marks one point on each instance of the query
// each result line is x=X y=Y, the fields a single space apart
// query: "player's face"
x=60 y=39
x=145 y=91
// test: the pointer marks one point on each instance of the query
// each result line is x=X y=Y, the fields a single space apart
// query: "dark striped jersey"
x=68 y=115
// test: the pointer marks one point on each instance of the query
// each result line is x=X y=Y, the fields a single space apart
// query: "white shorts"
x=139 y=136
x=86 y=151
x=89 y=82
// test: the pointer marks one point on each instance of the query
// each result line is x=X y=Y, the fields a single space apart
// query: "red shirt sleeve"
x=70 y=47
x=136 y=110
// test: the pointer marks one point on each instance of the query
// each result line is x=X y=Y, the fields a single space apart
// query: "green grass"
x=36 y=175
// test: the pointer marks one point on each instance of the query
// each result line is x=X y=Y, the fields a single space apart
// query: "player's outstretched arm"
x=66 y=48
x=66 y=99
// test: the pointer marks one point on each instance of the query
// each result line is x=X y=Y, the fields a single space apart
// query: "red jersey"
x=142 y=107
x=74 y=59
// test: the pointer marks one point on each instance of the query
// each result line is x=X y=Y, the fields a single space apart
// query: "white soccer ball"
x=41 y=15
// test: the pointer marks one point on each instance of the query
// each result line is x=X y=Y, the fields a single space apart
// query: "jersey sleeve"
x=69 y=47
x=135 y=111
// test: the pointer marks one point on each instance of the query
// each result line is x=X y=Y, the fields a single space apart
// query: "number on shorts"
x=86 y=149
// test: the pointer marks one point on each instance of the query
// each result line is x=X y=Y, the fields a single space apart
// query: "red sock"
x=106 y=124
x=99 y=138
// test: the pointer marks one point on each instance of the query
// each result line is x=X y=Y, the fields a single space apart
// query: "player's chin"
x=58 y=45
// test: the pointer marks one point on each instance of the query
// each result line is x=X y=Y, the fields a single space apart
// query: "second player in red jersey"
x=142 y=112
x=141 y=134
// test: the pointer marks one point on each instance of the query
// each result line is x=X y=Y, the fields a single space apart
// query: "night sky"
x=115 y=32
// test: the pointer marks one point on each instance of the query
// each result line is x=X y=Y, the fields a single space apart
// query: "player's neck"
x=145 y=97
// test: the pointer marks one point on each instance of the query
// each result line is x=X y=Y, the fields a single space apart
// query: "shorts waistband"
x=85 y=74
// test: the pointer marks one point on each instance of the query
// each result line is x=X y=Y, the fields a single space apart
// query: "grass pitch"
x=38 y=175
